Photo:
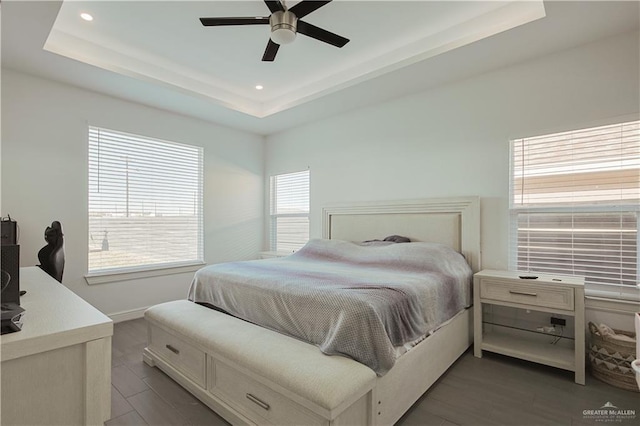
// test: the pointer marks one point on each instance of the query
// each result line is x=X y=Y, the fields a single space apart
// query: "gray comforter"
x=355 y=300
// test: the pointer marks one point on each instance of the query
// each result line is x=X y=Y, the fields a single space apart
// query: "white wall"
x=454 y=140
x=44 y=178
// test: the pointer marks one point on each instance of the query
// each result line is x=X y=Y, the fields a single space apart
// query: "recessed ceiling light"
x=86 y=16
x=259 y=87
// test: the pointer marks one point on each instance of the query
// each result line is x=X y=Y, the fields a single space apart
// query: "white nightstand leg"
x=580 y=332
x=477 y=320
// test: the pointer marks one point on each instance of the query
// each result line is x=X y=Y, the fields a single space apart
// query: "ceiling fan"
x=285 y=23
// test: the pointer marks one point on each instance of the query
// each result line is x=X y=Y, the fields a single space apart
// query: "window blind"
x=585 y=167
x=599 y=246
x=575 y=201
x=289 y=201
x=145 y=202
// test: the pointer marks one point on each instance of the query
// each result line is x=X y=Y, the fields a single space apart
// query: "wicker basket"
x=611 y=359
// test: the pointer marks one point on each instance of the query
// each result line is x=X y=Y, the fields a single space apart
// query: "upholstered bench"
x=251 y=375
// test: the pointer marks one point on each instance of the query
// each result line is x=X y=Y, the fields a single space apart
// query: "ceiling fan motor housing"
x=283 y=27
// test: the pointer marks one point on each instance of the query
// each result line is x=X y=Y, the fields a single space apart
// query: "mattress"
x=360 y=301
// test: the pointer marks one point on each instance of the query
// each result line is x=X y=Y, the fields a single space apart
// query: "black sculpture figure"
x=51 y=256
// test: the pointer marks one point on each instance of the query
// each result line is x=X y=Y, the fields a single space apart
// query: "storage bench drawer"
x=529 y=294
x=188 y=359
x=257 y=399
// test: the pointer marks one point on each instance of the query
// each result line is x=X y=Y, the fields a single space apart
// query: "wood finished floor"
x=494 y=390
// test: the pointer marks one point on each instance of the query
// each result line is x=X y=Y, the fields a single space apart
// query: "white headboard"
x=451 y=221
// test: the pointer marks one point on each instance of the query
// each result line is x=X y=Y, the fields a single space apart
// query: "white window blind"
x=145 y=202
x=575 y=203
x=289 y=200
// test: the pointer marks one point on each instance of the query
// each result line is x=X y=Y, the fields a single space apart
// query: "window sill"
x=613 y=301
x=272 y=254
x=110 y=277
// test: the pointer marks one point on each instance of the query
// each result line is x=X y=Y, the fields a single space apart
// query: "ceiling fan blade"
x=320 y=34
x=213 y=22
x=270 y=51
x=305 y=7
x=274 y=6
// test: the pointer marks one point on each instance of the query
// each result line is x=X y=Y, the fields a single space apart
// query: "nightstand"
x=559 y=295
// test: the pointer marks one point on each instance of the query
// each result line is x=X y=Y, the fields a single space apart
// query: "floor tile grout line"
x=132 y=373
x=125 y=399
x=161 y=397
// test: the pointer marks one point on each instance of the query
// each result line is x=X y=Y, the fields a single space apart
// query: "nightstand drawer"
x=528 y=294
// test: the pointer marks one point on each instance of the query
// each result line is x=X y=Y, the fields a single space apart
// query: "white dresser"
x=57 y=369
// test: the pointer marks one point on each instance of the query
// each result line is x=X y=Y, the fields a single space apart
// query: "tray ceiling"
x=163 y=42
x=157 y=53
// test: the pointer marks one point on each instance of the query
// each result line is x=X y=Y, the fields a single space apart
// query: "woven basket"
x=611 y=359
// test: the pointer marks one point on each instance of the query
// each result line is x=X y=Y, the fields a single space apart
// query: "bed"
x=252 y=375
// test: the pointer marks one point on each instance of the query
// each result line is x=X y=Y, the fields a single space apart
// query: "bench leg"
x=147 y=359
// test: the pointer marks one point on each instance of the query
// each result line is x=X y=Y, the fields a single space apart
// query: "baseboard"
x=128 y=315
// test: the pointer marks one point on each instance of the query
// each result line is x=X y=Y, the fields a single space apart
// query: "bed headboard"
x=451 y=221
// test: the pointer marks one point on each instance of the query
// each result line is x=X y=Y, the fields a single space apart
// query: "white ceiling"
x=157 y=52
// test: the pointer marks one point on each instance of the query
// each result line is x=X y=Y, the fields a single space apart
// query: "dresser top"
x=54 y=317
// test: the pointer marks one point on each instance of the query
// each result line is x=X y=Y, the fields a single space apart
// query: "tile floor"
x=494 y=390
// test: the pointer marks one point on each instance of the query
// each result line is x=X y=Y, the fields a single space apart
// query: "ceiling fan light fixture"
x=283 y=27
x=283 y=35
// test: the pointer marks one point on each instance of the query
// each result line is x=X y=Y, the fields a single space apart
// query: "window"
x=145 y=203
x=575 y=204
x=289 y=211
